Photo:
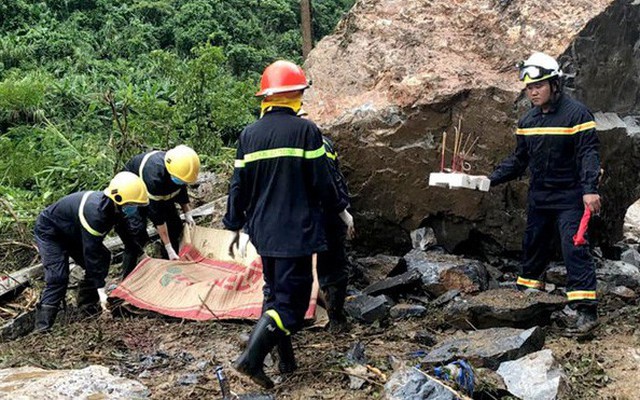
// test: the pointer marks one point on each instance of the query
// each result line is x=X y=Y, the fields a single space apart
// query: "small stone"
x=407 y=311
x=423 y=238
x=355 y=372
x=623 y=292
x=188 y=379
x=446 y=298
x=631 y=256
x=203 y=365
x=356 y=354
x=424 y=338
x=368 y=309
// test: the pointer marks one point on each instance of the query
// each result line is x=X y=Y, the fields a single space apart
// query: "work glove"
x=235 y=241
x=188 y=218
x=171 y=252
x=241 y=242
x=348 y=221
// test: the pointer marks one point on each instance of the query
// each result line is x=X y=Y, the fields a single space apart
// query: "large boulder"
x=397 y=74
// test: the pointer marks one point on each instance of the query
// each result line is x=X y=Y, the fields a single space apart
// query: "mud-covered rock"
x=442 y=272
x=503 y=307
x=488 y=347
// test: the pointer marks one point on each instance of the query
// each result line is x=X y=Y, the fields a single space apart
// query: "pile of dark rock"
x=498 y=329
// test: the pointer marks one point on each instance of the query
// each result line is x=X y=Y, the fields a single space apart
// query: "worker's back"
x=280 y=168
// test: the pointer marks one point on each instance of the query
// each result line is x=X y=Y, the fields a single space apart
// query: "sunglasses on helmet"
x=533 y=72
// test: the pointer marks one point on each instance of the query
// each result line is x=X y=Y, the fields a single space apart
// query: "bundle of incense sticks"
x=460 y=151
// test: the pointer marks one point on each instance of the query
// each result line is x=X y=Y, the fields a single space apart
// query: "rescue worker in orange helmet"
x=280 y=185
x=75 y=226
x=557 y=141
x=166 y=176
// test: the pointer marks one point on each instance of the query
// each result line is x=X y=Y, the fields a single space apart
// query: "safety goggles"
x=533 y=72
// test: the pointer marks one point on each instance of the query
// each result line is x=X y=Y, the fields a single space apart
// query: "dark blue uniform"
x=75 y=226
x=333 y=264
x=163 y=196
x=560 y=148
x=279 y=187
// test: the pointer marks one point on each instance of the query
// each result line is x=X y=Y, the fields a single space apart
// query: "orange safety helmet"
x=280 y=77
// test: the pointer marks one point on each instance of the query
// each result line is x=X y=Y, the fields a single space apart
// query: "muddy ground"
x=162 y=352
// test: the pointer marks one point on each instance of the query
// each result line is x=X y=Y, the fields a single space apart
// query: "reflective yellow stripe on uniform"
x=581 y=295
x=277 y=153
x=557 y=130
x=530 y=283
x=154 y=197
x=276 y=317
x=83 y=220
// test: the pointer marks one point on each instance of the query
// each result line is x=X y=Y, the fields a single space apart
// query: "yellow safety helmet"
x=183 y=163
x=127 y=188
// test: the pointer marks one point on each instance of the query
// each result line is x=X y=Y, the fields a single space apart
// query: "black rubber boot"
x=88 y=301
x=287 y=363
x=335 y=295
x=265 y=336
x=45 y=317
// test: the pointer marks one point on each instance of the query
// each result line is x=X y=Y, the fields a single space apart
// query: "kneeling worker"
x=75 y=226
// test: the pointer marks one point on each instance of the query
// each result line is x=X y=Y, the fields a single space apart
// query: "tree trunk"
x=307 y=34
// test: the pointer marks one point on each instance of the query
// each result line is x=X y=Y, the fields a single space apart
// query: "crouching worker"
x=75 y=226
x=166 y=176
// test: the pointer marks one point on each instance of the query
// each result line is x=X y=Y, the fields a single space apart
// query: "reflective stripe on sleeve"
x=557 y=130
x=83 y=220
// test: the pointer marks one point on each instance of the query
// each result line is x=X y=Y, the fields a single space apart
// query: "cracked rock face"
x=397 y=74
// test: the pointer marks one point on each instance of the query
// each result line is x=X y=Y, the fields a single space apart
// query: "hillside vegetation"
x=86 y=84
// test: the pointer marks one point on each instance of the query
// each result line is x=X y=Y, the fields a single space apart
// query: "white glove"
x=348 y=221
x=240 y=241
x=242 y=246
x=235 y=240
x=171 y=252
x=188 y=218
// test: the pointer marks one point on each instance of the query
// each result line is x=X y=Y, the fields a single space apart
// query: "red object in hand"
x=578 y=238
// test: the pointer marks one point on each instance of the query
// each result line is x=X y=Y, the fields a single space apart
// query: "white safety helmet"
x=539 y=67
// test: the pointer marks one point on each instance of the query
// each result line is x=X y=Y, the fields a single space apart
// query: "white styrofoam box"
x=459 y=180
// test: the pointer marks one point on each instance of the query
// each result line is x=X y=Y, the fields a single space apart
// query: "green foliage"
x=87 y=84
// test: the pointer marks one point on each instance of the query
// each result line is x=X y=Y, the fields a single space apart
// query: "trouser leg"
x=291 y=288
x=333 y=276
x=538 y=237
x=581 y=272
x=174 y=226
x=135 y=240
x=55 y=261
